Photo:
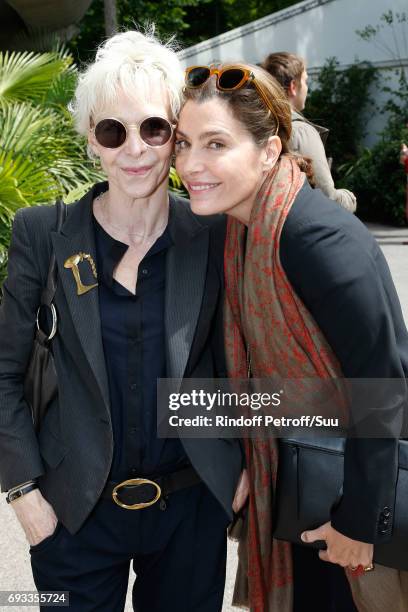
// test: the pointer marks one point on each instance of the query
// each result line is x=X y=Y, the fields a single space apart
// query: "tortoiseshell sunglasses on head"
x=229 y=78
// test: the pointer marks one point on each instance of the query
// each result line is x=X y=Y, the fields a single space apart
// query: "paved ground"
x=14 y=560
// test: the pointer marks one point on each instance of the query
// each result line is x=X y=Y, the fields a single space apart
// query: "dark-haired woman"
x=308 y=294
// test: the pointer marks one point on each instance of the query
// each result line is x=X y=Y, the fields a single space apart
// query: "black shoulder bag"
x=40 y=383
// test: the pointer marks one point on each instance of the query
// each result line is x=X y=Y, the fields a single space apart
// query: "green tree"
x=191 y=21
x=169 y=17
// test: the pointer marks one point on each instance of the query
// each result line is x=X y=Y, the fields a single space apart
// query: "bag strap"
x=49 y=290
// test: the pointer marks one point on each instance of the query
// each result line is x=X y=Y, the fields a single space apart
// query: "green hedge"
x=340 y=101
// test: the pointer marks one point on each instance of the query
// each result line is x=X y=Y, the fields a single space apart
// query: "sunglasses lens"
x=197 y=76
x=110 y=133
x=230 y=78
x=155 y=131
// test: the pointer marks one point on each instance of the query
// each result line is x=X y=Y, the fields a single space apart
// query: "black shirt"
x=133 y=337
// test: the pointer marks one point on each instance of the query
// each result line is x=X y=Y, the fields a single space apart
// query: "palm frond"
x=33 y=180
x=174 y=178
x=78 y=192
x=29 y=76
x=62 y=90
x=23 y=126
x=11 y=198
x=43 y=152
x=24 y=130
x=175 y=184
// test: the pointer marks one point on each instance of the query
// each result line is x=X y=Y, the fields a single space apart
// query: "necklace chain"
x=100 y=199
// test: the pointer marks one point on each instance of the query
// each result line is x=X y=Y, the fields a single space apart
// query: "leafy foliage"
x=339 y=101
x=28 y=76
x=175 y=184
x=377 y=177
x=169 y=18
x=191 y=21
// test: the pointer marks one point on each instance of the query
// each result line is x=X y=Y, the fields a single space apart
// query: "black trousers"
x=319 y=586
x=178 y=554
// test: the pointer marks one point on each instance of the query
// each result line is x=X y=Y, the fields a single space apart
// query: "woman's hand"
x=36 y=516
x=340 y=549
x=242 y=492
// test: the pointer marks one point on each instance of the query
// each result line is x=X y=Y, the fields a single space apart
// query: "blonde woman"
x=138 y=298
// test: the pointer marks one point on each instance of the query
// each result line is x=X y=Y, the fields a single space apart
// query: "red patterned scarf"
x=263 y=314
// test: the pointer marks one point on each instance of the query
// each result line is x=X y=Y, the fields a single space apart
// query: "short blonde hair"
x=130 y=61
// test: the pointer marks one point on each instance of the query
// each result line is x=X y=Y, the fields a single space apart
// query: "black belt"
x=138 y=493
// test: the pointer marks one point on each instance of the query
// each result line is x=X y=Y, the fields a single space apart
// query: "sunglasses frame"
x=134 y=126
x=248 y=76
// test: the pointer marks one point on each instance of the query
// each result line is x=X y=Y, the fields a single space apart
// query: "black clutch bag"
x=40 y=382
x=309 y=486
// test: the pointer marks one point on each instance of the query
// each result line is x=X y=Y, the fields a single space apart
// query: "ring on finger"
x=369 y=568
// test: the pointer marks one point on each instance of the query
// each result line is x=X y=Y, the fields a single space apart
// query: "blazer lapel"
x=186 y=268
x=77 y=236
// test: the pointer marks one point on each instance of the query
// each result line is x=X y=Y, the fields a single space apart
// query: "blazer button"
x=386 y=512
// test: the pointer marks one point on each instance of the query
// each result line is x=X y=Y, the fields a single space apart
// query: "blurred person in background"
x=307 y=138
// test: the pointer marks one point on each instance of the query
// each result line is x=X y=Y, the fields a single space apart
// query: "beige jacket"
x=307 y=141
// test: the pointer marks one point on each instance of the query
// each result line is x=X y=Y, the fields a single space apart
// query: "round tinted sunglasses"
x=112 y=133
x=229 y=78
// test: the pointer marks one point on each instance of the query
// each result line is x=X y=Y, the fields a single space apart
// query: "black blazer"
x=73 y=452
x=339 y=272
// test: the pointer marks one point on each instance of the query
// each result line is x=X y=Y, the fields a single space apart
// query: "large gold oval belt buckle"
x=135 y=482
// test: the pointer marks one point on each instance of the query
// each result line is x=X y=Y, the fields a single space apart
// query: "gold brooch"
x=72 y=264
